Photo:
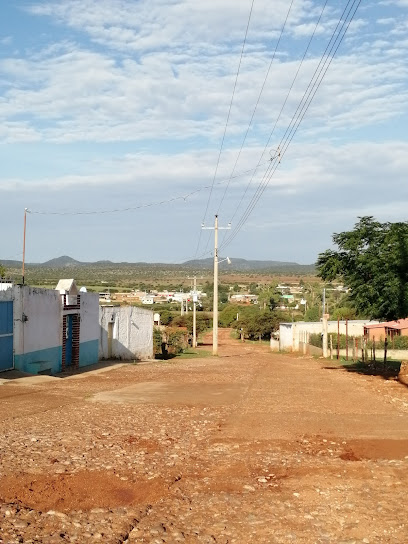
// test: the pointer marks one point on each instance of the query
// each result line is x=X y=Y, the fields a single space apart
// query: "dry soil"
x=248 y=447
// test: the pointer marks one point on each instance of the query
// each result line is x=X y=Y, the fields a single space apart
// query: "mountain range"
x=237 y=264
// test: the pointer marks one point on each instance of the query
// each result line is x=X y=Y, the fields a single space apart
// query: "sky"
x=127 y=124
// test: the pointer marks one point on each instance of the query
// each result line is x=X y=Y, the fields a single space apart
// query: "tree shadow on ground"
x=386 y=371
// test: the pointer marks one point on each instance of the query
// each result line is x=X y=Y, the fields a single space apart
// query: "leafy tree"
x=203 y=322
x=253 y=288
x=372 y=260
x=344 y=312
x=166 y=317
x=259 y=324
x=312 y=314
x=269 y=297
x=2 y=271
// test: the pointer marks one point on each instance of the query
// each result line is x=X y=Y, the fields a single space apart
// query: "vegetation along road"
x=247 y=447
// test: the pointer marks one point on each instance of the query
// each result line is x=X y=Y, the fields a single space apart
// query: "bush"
x=157 y=341
x=176 y=340
x=316 y=339
x=398 y=342
x=203 y=322
x=258 y=325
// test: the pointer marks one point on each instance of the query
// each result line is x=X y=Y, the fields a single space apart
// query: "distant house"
x=244 y=298
x=380 y=331
x=292 y=334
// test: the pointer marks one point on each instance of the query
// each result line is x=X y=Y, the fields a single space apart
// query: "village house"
x=48 y=330
x=380 y=331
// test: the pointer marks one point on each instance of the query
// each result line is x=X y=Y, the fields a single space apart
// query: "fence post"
x=374 y=350
x=331 y=346
x=385 y=351
x=346 y=339
x=325 y=330
x=338 y=338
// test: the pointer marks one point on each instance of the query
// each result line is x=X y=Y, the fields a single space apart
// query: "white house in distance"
x=292 y=334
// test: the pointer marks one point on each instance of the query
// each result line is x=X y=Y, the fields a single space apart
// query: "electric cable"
x=147 y=205
x=294 y=125
x=257 y=102
x=227 y=122
x=281 y=111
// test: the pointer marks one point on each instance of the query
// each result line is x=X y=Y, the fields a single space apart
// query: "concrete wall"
x=291 y=334
x=132 y=332
x=89 y=329
x=37 y=329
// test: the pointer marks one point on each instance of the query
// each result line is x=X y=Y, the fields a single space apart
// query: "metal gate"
x=6 y=335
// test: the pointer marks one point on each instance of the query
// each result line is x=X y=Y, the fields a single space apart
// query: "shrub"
x=157 y=341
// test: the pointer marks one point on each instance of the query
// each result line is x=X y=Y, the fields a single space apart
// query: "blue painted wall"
x=88 y=352
x=37 y=361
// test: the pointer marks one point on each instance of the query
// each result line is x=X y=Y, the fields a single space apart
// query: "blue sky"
x=114 y=104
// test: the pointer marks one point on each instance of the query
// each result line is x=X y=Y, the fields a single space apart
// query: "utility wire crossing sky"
x=126 y=124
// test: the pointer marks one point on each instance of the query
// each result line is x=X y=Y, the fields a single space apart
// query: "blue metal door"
x=68 y=345
x=6 y=335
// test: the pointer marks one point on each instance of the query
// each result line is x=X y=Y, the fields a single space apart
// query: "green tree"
x=259 y=324
x=372 y=260
x=269 y=297
x=312 y=314
x=2 y=271
x=344 y=312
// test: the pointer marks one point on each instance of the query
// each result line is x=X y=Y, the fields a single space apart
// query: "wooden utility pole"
x=215 y=228
x=24 y=241
x=194 y=294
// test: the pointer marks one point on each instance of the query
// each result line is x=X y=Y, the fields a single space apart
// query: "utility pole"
x=24 y=240
x=216 y=228
x=194 y=313
x=195 y=299
x=324 y=301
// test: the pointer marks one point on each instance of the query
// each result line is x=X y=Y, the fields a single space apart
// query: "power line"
x=257 y=102
x=286 y=142
x=281 y=111
x=294 y=125
x=146 y=205
x=227 y=121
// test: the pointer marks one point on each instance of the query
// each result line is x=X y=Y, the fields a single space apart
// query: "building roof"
x=398 y=325
x=67 y=286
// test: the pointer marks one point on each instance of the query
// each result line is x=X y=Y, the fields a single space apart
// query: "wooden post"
x=338 y=338
x=331 y=346
x=24 y=242
x=385 y=351
x=325 y=330
x=346 y=339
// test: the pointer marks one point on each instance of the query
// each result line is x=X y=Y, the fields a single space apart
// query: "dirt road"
x=249 y=447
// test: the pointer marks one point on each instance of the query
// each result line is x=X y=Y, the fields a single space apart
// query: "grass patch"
x=186 y=354
x=191 y=354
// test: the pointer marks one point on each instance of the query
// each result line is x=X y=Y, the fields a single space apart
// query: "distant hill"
x=237 y=264
x=246 y=265
x=62 y=262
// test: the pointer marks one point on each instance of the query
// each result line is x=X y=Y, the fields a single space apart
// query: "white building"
x=43 y=330
x=292 y=334
x=126 y=332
